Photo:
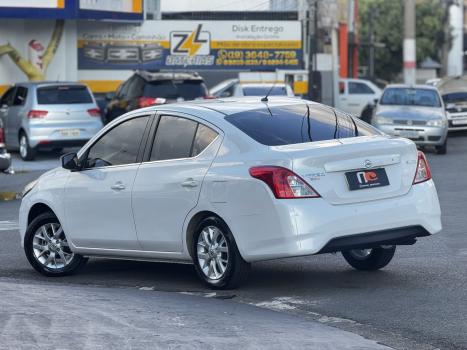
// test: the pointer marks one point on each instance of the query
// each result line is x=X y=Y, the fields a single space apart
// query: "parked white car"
x=224 y=183
x=235 y=88
x=356 y=94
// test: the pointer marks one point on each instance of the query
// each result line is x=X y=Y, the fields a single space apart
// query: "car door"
x=168 y=184
x=98 y=198
x=5 y=104
x=359 y=95
x=15 y=114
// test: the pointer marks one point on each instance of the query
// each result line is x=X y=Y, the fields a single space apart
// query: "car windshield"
x=290 y=124
x=455 y=97
x=63 y=94
x=174 y=89
x=263 y=90
x=410 y=97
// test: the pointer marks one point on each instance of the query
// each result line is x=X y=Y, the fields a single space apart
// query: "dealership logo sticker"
x=365 y=177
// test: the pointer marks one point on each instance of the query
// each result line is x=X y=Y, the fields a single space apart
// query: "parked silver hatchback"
x=51 y=115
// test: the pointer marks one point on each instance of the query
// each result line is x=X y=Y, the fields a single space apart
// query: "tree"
x=32 y=72
x=431 y=34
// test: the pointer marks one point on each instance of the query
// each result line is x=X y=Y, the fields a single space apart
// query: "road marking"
x=8 y=226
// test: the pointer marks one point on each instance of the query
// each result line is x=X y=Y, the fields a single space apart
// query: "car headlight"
x=383 y=120
x=436 y=122
x=28 y=188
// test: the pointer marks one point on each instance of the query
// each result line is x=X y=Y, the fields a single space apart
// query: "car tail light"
x=35 y=114
x=423 y=172
x=2 y=135
x=94 y=112
x=150 y=101
x=284 y=183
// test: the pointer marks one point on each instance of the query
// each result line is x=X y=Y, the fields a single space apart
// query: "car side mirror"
x=70 y=161
x=376 y=101
x=110 y=96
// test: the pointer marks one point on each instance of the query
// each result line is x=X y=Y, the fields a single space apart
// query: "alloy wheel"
x=212 y=252
x=50 y=247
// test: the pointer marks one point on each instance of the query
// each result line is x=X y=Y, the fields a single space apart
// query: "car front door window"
x=119 y=146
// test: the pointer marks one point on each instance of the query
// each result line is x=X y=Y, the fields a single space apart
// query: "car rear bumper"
x=425 y=135
x=311 y=226
x=54 y=135
x=5 y=159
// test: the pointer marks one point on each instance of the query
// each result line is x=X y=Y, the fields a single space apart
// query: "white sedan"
x=236 y=88
x=224 y=183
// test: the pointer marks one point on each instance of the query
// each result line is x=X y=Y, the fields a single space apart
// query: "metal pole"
x=409 y=42
x=371 y=47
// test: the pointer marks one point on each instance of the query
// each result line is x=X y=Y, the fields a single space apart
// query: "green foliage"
x=388 y=26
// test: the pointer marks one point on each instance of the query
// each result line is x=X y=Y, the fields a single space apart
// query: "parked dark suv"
x=145 y=89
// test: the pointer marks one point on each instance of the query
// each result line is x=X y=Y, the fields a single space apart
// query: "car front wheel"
x=216 y=257
x=369 y=259
x=47 y=248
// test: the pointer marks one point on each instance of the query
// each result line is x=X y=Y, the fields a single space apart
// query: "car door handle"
x=118 y=186
x=190 y=183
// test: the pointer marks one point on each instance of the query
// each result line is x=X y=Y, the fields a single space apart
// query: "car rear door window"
x=63 y=94
x=118 y=146
x=174 y=138
x=204 y=137
x=20 y=96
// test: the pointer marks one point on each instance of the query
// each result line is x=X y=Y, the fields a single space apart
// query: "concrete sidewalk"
x=58 y=316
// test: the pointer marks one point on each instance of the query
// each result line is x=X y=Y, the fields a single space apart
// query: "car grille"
x=409 y=122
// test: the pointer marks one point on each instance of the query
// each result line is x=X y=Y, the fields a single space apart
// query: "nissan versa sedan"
x=415 y=112
x=225 y=183
x=53 y=115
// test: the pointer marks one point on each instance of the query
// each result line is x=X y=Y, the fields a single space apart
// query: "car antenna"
x=265 y=98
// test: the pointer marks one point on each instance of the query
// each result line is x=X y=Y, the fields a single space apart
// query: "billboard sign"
x=252 y=45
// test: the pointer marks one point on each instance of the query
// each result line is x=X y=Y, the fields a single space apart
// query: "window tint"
x=135 y=88
x=455 y=97
x=174 y=138
x=290 y=125
x=359 y=88
x=63 y=94
x=173 y=89
x=20 y=96
x=118 y=146
x=7 y=97
x=204 y=136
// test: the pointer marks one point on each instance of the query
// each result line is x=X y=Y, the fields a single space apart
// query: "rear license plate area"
x=363 y=179
x=70 y=132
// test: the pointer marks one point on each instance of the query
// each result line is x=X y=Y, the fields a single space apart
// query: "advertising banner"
x=252 y=45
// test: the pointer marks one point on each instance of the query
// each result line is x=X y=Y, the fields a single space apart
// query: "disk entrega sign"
x=190 y=44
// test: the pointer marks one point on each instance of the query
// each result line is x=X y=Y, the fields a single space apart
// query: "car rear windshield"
x=410 y=97
x=455 y=97
x=263 y=90
x=174 y=89
x=290 y=124
x=63 y=94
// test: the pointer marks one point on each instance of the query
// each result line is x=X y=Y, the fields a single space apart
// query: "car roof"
x=154 y=76
x=262 y=84
x=411 y=86
x=233 y=105
x=48 y=82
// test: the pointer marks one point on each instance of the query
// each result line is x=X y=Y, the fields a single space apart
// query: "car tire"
x=443 y=149
x=216 y=257
x=26 y=152
x=47 y=249
x=369 y=259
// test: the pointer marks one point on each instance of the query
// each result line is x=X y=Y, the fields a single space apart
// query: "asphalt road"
x=418 y=302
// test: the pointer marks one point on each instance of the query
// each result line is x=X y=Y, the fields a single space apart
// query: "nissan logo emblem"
x=367 y=163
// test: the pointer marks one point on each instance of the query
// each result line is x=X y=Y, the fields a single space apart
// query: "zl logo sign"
x=197 y=42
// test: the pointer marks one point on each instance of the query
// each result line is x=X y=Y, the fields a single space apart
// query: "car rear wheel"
x=443 y=148
x=47 y=248
x=369 y=259
x=25 y=150
x=216 y=257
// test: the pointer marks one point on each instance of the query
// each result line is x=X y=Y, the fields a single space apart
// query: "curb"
x=8 y=196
